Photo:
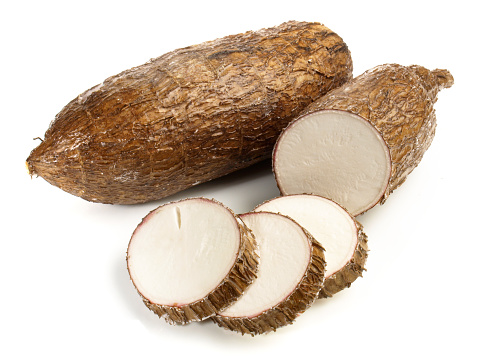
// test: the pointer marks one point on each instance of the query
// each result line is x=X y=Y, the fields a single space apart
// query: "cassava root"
x=189 y=116
x=359 y=142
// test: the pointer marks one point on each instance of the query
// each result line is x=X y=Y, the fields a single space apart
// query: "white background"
x=65 y=287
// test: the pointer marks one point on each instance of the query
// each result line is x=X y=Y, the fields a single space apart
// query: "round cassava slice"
x=290 y=276
x=190 y=259
x=358 y=143
x=341 y=235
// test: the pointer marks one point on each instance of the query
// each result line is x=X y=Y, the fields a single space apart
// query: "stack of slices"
x=252 y=273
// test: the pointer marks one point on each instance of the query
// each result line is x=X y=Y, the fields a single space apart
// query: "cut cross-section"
x=359 y=142
x=190 y=259
x=290 y=275
x=340 y=234
x=335 y=154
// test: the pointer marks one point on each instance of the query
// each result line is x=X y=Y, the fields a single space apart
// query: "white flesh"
x=326 y=221
x=182 y=251
x=334 y=154
x=285 y=253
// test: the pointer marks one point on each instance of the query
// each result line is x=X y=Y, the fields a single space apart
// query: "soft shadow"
x=241 y=190
x=238 y=183
x=195 y=332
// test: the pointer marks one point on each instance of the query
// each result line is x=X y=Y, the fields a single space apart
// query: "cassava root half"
x=342 y=236
x=290 y=275
x=190 y=259
x=358 y=143
x=189 y=116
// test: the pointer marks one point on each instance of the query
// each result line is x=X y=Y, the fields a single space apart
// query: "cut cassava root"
x=290 y=275
x=190 y=259
x=358 y=143
x=195 y=259
x=341 y=235
x=189 y=116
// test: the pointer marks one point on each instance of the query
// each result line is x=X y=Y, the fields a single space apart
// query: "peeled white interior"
x=335 y=154
x=285 y=253
x=182 y=251
x=327 y=222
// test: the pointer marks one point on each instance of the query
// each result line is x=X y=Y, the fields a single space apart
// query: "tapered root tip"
x=433 y=81
x=30 y=169
x=444 y=78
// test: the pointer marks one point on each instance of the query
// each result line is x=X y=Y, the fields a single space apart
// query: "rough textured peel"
x=238 y=278
x=351 y=271
x=398 y=101
x=189 y=116
x=294 y=303
x=340 y=234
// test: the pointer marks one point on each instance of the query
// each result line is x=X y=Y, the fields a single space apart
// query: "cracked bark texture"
x=398 y=101
x=189 y=116
x=344 y=277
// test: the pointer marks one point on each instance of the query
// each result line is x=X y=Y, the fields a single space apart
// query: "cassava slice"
x=189 y=116
x=190 y=259
x=290 y=276
x=356 y=144
x=341 y=235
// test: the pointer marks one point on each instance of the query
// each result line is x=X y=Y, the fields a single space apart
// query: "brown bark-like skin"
x=287 y=311
x=241 y=275
x=189 y=116
x=351 y=271
x=398 y=101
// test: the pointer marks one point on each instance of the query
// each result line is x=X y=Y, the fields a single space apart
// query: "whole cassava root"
x=189 y=116
x=358 y=143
